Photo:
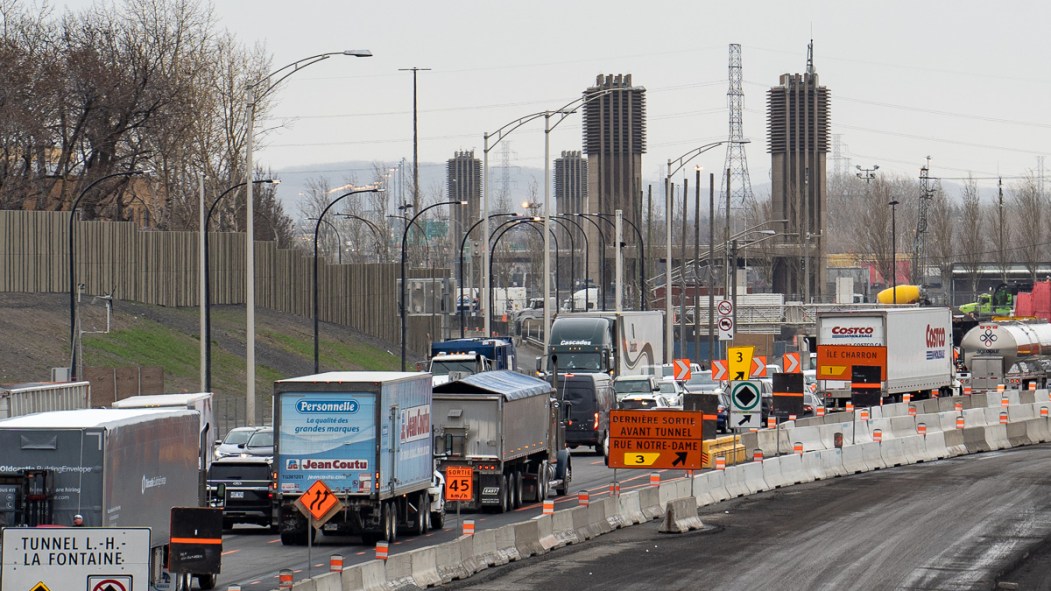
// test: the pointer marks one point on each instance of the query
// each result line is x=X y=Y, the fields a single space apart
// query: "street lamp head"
x=271 y=181
x=875 y=167
x=525 y=205
x=742 y=141
x=893 y=203
x=357 y=52
x=857 y=166
x=463 y=202
x=767 y=232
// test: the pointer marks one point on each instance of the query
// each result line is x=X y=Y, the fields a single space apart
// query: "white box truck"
x=912 y=347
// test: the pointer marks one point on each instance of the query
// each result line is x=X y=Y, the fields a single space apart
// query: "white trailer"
x=911 y=346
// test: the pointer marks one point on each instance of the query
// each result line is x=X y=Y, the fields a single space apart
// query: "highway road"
x=252 y=556
x=964 y=523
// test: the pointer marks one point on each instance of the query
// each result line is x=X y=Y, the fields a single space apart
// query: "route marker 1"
x=669 y=439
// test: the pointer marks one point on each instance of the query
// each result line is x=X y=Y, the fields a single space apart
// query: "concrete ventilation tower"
x=798 y=129
x=464 y=178
x=571 y=193
x=736 y=163
x=614 y=142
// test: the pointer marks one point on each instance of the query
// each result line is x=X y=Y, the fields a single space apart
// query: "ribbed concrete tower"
x=464 y=179
x=798 y=129
x=571 y=192
x=614 y=142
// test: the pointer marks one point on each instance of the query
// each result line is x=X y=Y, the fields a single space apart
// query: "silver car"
x=230 y=445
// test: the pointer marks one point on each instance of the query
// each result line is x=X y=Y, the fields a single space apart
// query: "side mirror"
x=448 y=444
x=218 y=441
x=220 y=490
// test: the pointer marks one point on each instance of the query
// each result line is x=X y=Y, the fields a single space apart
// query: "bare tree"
x=1028 y=239
x=971 y=241
x=873 y=228
x=941 y=223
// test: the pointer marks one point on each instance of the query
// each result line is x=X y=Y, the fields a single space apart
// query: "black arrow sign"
x=744 y=419
x=680 y=458
x=740 y=376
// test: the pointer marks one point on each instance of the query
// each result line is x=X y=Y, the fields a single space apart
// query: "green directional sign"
x=745 y=396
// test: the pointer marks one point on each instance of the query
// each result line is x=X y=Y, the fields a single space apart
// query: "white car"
x=673 y=391
x=437 y=492
x=701 y=382
x=644 y=402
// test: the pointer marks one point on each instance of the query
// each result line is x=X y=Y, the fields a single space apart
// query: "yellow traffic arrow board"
x=635 y=458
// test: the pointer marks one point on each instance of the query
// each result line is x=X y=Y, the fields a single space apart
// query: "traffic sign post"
x=745 y=405
x=319 y=505
x=669 y=439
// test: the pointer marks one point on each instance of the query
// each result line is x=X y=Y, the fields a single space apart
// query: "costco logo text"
x=853 y=331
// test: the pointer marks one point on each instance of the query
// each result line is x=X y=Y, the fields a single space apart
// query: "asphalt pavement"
x=966 y=523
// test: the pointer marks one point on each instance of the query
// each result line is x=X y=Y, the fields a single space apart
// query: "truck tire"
x=567 y=476
x=542 y=482
x=505 y=495
x=517 y=488
x=390 y=522
x=422 y=514
x=206 y=582
x=438 y=519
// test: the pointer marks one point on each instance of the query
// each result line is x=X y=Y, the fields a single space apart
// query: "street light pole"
x=206 y=280
x=281 y=73
x=73 y=271
x=404 y=240
x=601 y=258
x=894 y=250
x=642 y=253
x=415 y=139
x=669 y=321
x=317 y=227
x=463 y=244
x=587 y=254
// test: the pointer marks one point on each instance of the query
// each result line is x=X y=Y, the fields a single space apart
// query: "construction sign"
x=682 y=370
x=791 y=363
x=459 y=483
x=758 y=367
x=739 y=361
x=719 y=370
x=668 y=439
x=788 y=395
x=835 y=362
x=319 y=503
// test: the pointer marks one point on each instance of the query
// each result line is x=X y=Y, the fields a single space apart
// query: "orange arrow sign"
x=682 y=370
x=718 y=369
x=791 y=363
x=759 y=366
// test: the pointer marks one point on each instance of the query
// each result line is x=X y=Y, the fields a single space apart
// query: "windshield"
x=442 y=368
x=668 y=388
x=628 y=386
x=701 y=379
x=238 y=436
x=590 y=361
x=262 y=439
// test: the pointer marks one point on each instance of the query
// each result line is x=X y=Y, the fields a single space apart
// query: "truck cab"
x=449 y=367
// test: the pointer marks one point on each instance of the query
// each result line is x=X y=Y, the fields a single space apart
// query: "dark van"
x=241 y=487
x=586 y=399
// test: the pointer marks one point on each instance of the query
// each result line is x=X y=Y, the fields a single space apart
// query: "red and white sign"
x=725 y=307
x=791 y=363
x=759 y=366
x=719 y=371
x=682 y=371
x=415 y=423
x=851 y=331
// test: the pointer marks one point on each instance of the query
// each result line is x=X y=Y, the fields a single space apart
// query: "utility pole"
x=919 y=252
x=1003 y=262
x=867 y=174
x=415 y=140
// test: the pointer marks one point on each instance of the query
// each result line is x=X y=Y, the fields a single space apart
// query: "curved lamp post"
x=669 y=320
x=587 y=255
x=317 y=227
x=463 y=244
x=572 y=260
x=206 y=291
x=73 y=271
x=339 y=238
x=404 y=240
x=642 y=253
x=601 y=258
x=257 y=90
x=512 y=224
x=372 y=227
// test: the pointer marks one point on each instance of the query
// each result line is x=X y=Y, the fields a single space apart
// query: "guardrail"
x=794 y=453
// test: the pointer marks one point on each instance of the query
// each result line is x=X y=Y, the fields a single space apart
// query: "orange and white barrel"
x=906 y=397
x=583 y=498
x=1003 y=418
x=335 y=563
x=957 y=406
x=383 y=548
x=549 y=507
x=877 y=435
x=771 y=423
x=912 y=410
x=921 y=429
x=798 y=448
x=284 y=579
x=959 y=422
x=850 y=406
x=757 y=456
x=1005 y=401
x=468 y=527
x=720 y=463
x=655 y=478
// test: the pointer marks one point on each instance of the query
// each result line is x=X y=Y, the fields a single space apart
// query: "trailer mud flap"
x=489 y=489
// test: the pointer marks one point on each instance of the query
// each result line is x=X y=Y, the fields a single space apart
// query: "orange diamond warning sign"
x=318 y=502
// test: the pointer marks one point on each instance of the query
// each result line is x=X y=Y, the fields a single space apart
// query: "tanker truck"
x=1013 y=353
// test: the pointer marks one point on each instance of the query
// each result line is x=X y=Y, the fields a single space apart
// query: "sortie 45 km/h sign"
x=669 y=439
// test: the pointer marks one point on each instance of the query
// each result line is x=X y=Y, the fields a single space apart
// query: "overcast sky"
x=966 y=82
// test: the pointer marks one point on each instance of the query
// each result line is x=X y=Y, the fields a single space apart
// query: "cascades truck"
x=115 y=467
x=507 y=428
x=367 y=436
x=910 y=349
x=621 y=344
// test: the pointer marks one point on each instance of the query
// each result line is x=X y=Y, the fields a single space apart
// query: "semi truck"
x=620 y=344
x=455 y=358
x=114 y=467
x=367 y=437
x=508 y=430
x=904 y=350
x=1013 y=354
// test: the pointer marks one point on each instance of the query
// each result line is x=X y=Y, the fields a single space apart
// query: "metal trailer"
x=115 y=467
x=506 y=427
x=621 y=344
x=24 y=399
x=367 y=436
x=1013 y=354
x=911 y=346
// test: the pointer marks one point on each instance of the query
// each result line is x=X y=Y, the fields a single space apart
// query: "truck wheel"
x=438 y=519
x=542 y=482
x=390 y=522
x=206 y=582
x=563 y=488
x=518 y=488
x=420 y=522
x=505 y=495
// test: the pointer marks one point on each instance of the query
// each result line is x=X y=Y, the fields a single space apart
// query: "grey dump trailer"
x=507 y=431
x=115 y=467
